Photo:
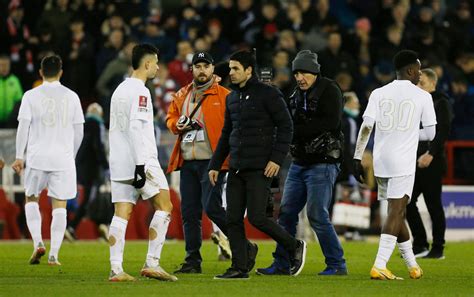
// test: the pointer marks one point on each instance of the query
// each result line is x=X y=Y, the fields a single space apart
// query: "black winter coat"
x=319 y=113
x=257 y=128
x=444 y=117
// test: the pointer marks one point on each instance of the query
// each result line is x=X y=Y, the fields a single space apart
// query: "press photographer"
x=316 y=108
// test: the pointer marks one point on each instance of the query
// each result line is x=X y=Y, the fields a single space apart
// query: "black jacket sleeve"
x=223 y=146
x=443 y=126
x=281 y=118
x=330 y=114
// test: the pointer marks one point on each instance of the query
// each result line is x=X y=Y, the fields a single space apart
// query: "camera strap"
x=195 y=109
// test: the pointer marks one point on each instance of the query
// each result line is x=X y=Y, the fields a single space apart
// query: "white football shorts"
x=123 y=191
x=61 y=185
x=395 y=187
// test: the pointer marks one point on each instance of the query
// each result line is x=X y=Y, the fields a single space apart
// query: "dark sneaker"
x=233 y=273
x=189 y=268
x=420 y=251
x=333 y=271
x=298 y=258
x=435 y=254
x=272 y=270
x=70 y=234
x=252 y=255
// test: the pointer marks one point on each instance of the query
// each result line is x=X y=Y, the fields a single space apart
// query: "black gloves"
x=140 y=177
x=358 y=171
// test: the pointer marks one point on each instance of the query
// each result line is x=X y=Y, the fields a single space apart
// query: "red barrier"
x=450 y=147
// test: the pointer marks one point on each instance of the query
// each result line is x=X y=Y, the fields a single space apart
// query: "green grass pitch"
x=85 y=270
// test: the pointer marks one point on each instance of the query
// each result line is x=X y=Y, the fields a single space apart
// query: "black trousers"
x=428 y=181
x=248 y=189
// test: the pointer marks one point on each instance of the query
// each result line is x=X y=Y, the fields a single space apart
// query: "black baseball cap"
x=202 y=57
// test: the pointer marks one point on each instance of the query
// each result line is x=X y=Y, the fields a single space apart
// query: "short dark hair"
x=404 y=58
x=140 y=51
x=246 y=58
x=51 y=65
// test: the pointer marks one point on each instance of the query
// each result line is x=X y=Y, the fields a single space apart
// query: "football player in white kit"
x=134 y=167
x=50 y=131
x=396 y=110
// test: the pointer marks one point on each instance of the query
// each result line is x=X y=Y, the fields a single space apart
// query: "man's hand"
x=18 y=166
x=213 y=174
x=272 y=169
x=358 y=171
x=140 y=177
x=425 y=160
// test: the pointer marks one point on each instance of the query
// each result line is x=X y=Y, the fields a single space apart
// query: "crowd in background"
x=355 y=41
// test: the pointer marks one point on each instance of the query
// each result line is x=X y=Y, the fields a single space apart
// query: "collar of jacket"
x=252 y=81
x=212 y=90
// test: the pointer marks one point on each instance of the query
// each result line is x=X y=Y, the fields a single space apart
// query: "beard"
x=202 y=79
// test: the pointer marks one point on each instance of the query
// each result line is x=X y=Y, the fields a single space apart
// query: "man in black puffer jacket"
x=257 y=134
x=316 y=107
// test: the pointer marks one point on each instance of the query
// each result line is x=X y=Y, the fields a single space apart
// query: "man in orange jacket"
x=196 y=115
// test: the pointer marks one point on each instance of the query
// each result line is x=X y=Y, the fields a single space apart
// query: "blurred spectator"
x=155 y=35
x=79 y=61
x=109 y=50
x=245 y=23
x=287 y=42
x=10 y=94
x=325 y=21
x=388 y=45
x=460 y=27
x=190 y=18
x=93 y=14
x=220 y=45
x=114 y=22
x=179 y=68
x=57 y=19
x=350 y=117
x=463 y=123
x=92 y=165
x=165 y=87
x=344 y=80
x=17 y=40
x=282 y=76
x=335 y=59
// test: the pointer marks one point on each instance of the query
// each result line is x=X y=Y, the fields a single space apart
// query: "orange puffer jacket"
x=213 y=108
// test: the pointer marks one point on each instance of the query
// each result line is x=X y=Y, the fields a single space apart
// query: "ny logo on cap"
x=201 y=55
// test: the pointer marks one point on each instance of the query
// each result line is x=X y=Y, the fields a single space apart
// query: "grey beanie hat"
x=306 y=61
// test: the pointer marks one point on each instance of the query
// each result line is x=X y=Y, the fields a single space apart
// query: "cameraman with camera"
x=316 y=107
x=196 y=114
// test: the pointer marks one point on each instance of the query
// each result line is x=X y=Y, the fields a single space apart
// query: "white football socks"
x=58 y=226
x=33 y=221
x=406 y=249
x=157 y=236
x=386 y=247
x=117 y=231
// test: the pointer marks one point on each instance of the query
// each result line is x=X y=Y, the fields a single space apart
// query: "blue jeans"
x=197 y=194
x=312 y=185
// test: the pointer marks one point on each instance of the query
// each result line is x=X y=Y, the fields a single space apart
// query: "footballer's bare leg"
x=157 y=236
x=58 y=227
x=117 y=229
x=33 y=221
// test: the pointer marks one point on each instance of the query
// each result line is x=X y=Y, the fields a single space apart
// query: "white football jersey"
x=397 y=109
x=52 y=110
x=130 y=101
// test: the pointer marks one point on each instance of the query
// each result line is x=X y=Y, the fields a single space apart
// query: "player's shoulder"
x=69 y=93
